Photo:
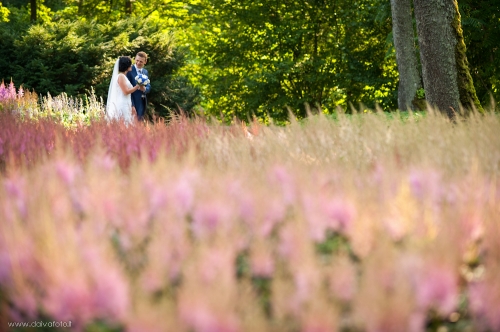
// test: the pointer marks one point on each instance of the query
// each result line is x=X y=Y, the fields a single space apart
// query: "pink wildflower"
x=217 y=265
x=5 y=266
x=70 y=299
x=152 y=279
x=303 y=288
x=316 y=219
x=275 y=212
x=245 y=202
x=149 y=324
x=25 y=302
x=287 y=247
x=15 y=189
x=20 y=92
x=484 y=302
x=102 y=162
x=67 y=172
x=199 y=317
x=209 y=217
x=3 y=91
x=11 y=93
x=341 y=214
x=437 y=287
x=261 y=260
x=342 y=279
x=319 y=317
x=184 y=192
x=425 y=184
x=111 y=295
x=284 y=179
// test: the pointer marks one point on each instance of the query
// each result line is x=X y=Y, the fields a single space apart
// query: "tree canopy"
x=230 y=58
x=266 y=58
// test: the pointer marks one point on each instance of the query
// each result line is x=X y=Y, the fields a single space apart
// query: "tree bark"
x=467 y=92
x=445 y=68
x=128 y=7
x=33 y=10
x=80 y=7
x=406 y=57
x=437 y=42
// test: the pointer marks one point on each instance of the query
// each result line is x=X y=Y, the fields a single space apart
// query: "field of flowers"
x=362 y=223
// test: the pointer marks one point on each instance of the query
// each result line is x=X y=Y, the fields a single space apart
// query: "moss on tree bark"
x=445 y=68
x=467 y=92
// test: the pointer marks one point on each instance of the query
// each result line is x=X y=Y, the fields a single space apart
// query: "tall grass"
x=361 y=223
x=69 y=111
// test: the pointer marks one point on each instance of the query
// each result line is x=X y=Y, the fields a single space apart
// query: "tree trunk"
x=437 y=41
x=445 y=68
x=33 y=10
x=80 y=7
x=128 y=7
x=406 y=58
x=467 y=92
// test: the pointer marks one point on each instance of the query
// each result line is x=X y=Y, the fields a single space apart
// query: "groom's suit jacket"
x=137 y=100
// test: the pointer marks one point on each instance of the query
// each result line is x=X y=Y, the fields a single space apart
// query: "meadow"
x=359 y=223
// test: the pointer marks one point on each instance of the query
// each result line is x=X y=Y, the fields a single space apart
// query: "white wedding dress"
x=119 y=105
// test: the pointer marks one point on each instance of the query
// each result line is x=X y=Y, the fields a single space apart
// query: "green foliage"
x=4 y=13
x=267 y=58
x=481 y=28
x=170 y=92
x=333 y=244
x=420 y=93
x=73 y=57
x=246 y=58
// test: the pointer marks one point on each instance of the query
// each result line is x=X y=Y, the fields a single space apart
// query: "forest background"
x=228 y=58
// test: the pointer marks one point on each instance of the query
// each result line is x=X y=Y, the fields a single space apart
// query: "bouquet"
x=142 y=79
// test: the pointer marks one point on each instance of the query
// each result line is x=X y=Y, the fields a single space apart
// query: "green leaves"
x=265 y=58
x=481 y=27
x=75 y=56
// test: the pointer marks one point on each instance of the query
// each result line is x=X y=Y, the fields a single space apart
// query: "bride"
x=119 y=105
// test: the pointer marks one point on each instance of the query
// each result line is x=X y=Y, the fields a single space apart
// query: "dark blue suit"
x=138 y=101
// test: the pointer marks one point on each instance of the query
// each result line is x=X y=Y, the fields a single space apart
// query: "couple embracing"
x=127 y=89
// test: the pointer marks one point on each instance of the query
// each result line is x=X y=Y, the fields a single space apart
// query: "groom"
x=139 y=100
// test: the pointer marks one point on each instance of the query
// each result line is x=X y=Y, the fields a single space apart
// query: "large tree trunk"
x=437 y=41
x=467 y=92
x=406 y=58
x=445 y=69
